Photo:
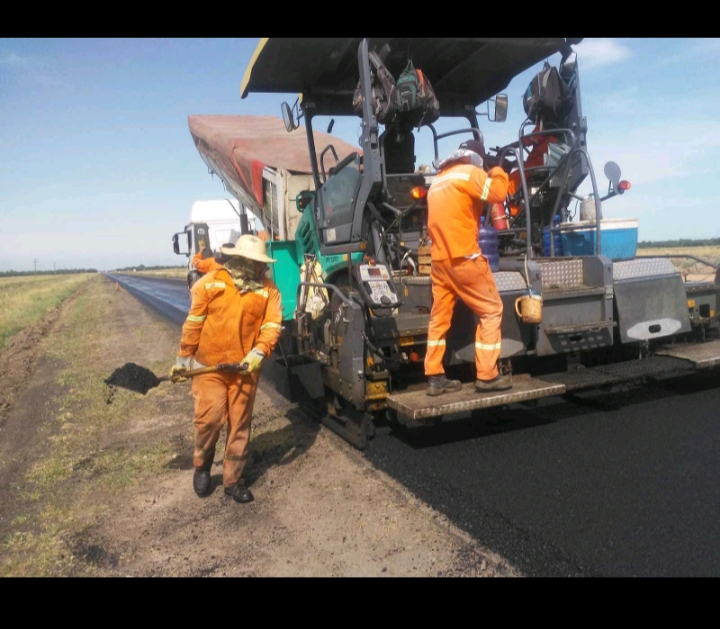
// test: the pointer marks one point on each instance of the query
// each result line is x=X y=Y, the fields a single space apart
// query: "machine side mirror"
x=612 y=172
x=303 y=199
x=176 y=244
x=290 y=122
x=501 y=108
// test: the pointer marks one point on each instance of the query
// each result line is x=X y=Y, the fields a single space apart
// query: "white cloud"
x=671 y=165
x=657 y=152
x=594 y=53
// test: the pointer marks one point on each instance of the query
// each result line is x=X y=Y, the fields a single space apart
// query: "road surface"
x=611 y=484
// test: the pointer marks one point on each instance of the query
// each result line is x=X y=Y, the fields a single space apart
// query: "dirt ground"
x=98 y=482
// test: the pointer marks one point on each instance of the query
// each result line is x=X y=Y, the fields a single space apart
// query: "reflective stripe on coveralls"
x=224 y=324
x=473 y=281
x=455 y=203
x=222 y=398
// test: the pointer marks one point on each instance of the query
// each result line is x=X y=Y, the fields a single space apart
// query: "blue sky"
x=98 y=168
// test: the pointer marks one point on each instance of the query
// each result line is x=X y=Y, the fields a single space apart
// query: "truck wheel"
x=192 y=277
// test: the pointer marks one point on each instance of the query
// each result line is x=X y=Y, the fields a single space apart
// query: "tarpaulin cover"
x=242 y=146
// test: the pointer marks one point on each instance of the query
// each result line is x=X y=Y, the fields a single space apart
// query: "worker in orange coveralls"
x=235 y=317
x=539 y=149
x=459 y=269
x=204 y=261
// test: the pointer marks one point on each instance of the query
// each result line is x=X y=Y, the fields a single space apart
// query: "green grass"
x=26 y=300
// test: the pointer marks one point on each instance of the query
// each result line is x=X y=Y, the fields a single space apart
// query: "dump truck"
x=608 y=316
x=265 y=169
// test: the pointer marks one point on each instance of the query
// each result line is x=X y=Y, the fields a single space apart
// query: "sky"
x=98 y=168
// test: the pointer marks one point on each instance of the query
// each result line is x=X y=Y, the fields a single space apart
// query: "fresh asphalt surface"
x=622 y=483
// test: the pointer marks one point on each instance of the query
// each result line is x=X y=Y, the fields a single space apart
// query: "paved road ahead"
x=623 y=484
x=170 y=298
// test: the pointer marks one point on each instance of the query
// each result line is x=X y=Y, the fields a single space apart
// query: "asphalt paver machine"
x=355 y=336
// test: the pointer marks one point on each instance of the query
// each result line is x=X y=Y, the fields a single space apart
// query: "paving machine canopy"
x=464 y=72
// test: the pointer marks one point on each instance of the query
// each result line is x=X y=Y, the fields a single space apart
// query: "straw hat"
x=248 y=246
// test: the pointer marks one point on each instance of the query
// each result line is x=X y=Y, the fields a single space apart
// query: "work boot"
x=498 y=383
x=201 y=482
x=440 y=384
x=238 y=492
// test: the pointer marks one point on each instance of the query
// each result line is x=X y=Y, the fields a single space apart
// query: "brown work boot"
x=239 y=493
x=498 y=383
x=440 y=384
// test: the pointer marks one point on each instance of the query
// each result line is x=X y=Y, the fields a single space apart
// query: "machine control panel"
x=376 y=285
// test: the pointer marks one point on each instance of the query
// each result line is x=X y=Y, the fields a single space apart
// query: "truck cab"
x=211 y=224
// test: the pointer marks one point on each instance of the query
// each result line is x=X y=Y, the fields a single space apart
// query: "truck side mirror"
x=176 y=244
x=501 y=108
x=303 y=199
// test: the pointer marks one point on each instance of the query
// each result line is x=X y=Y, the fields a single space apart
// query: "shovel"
x=141 y=380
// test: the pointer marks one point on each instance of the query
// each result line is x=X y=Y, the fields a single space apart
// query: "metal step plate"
x=578 y=379
x=415 y=404
x=615 y=373
x=702 y=355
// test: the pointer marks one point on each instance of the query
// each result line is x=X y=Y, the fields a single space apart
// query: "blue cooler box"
x=619 y=238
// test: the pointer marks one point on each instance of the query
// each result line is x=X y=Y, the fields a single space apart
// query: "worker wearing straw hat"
x=235 y=317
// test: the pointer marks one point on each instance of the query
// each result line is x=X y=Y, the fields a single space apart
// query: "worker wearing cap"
x=459 y=269
x=235 y=317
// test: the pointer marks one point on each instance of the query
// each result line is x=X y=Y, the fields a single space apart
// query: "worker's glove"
x=182 y=363
x=253 y=360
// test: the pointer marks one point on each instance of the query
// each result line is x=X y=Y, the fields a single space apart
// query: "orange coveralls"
x=205 y=265
x=540 y=145
x=223 y=325
x=455 y=204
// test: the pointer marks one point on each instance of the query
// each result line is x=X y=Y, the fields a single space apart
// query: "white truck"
x=214 y=222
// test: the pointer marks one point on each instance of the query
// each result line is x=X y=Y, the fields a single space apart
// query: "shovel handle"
x=236 y=367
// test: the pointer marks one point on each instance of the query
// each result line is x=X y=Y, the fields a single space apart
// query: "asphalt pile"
x=133 y=377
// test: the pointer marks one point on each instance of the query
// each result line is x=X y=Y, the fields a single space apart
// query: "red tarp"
x=243 y=145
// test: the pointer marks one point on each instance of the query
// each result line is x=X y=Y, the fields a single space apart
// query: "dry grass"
x=691 y=269
x=26 y=300
x=171 y=273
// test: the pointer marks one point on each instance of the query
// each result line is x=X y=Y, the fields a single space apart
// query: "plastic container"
x=557 y=237
x=619 y=238
x=488 y=241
